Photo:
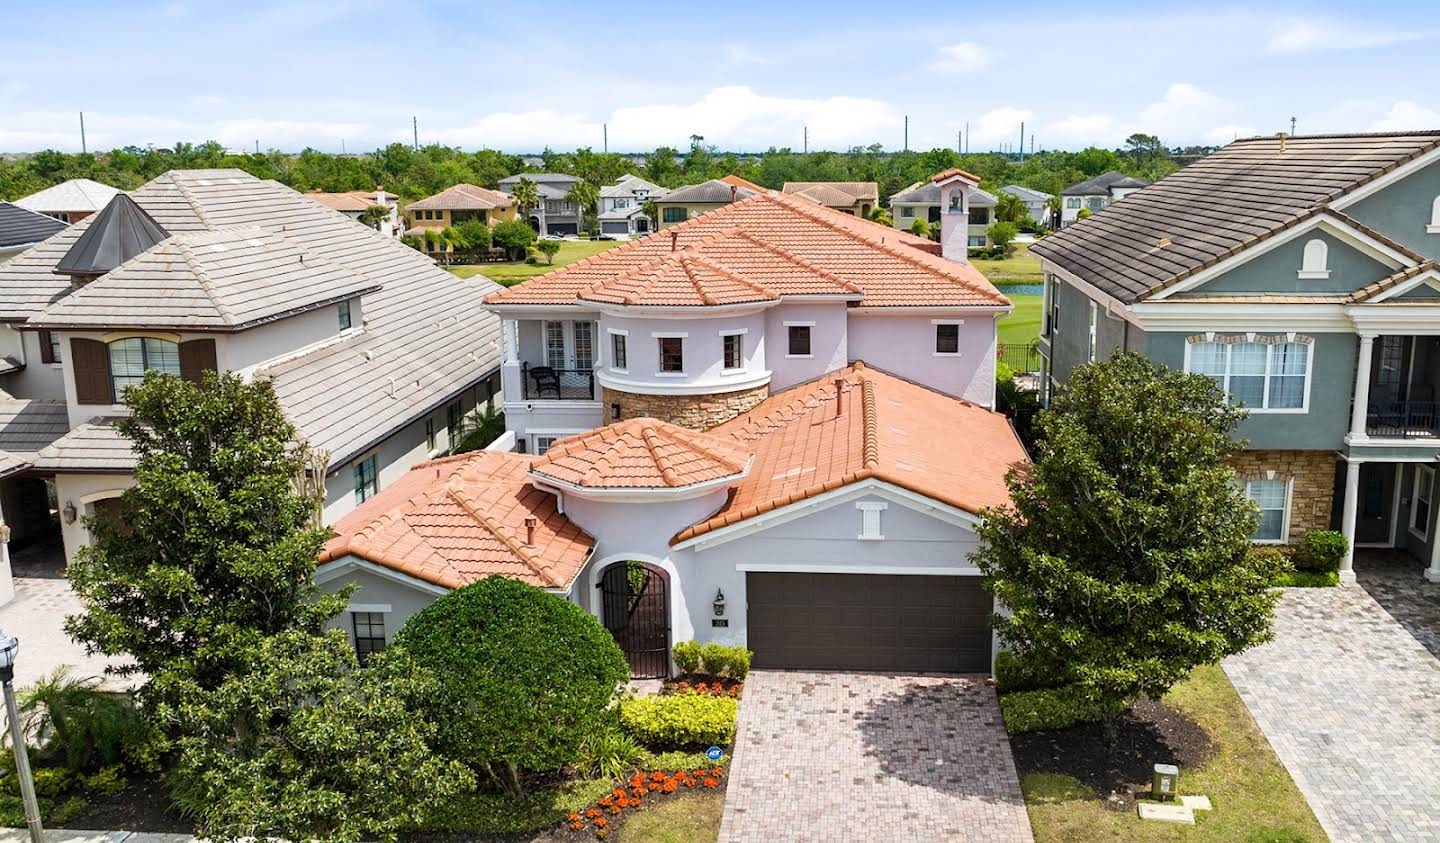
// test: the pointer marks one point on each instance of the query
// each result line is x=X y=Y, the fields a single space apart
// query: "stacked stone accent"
x=1313 y=491
x=697 y=412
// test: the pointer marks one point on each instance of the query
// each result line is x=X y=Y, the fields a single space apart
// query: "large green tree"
x=216 y=545
x=1123 y=560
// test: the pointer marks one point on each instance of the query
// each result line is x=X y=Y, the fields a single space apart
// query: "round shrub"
x=524 y=675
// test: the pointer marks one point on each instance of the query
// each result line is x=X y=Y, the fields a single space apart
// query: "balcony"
x=546 y=383
x=1403 y=419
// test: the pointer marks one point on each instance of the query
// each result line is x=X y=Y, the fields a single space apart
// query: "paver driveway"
x=1350 y=700
x=871 y=756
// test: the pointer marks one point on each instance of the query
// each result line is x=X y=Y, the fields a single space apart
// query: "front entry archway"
x=635 y=607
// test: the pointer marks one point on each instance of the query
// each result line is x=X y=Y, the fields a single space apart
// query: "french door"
x=570 y=345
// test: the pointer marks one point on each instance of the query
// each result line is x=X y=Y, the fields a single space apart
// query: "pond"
x=1022 y=289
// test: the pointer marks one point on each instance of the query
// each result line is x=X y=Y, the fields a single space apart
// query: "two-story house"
x=1095 y=194
x=770 y=425
x=622 y=207
x=922 y=201
x=356 y=204
x=375 y=353
x=692 y=200
x=555 y=214
x=452 y=206
x=1037 y=202
x=1305 y=283
x=856 y=198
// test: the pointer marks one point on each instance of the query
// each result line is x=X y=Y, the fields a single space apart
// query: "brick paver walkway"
x=1350 y=700
x=869 y=756
x=37 y=617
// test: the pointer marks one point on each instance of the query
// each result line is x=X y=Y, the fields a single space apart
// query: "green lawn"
x=1020 y=268
x=1022 y=325
x=1254 y=797
x=513 y=273
x=692 y=818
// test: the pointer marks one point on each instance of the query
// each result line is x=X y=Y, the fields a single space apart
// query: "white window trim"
x=1309 y=376
x=670 y=335
x=1310 y=274
x=1422 y=534
x=1093 y=347
x=870 y=524
x=619 y=332
x=796 y=323
x=1434 y=226
x=957 y=352
x=1285 y=514
x=732 y=332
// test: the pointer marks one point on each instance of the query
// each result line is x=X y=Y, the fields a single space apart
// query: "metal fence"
x=1021 y=358
x=1403 y=419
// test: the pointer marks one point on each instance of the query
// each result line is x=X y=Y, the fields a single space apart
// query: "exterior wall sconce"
x=69 y=512
x=719 y=603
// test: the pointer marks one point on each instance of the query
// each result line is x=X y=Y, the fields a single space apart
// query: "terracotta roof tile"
x=774 y=242
x=884 y=427
x=858 y=191
x=350 y=200
x=453 y=521
x=641 y=453
x=463 y=197
x=951 y=173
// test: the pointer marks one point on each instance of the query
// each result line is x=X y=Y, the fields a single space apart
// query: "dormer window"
x=1434 y=226
x=1315 y=261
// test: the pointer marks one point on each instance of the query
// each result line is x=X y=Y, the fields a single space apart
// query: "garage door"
x=868 y=622
x=614 y=228
x=562 y=228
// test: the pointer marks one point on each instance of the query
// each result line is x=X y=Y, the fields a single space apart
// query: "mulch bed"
x=143 y=806
x=1149 y=733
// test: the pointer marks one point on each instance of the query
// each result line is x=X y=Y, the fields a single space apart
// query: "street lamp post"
x=9 y=648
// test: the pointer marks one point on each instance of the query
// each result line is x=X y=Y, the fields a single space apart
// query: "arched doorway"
x=635 y=607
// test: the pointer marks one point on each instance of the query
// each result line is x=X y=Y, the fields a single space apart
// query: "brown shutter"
x=47 y=353
x=196 y=356
x=90 y=360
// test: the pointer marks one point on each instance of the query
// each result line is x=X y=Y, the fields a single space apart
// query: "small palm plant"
x=73 y=722
x=374 y=215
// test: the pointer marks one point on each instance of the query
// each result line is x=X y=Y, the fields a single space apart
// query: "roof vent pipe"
x=839 y=396
x=674 y=240
x=530 y=523
x=733 y=191
x=1282 y=136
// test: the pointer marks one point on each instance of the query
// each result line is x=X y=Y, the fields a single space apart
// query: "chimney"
x=674 y=240
x=530 y=522
x=839 y=397
x=385 y=224
x=733 y=191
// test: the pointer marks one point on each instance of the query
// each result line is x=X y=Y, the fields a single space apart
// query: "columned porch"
x=548 y=377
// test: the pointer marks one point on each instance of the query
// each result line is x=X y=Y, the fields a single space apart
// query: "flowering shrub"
x=640 y=789
x=710 y=689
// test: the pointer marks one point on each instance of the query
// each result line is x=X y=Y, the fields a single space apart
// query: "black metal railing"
x=1022 y=358
x=547 y=382
x=1403 y=419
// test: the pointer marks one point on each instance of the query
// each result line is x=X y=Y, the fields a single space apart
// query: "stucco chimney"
x=385 y=224
x=530 y=522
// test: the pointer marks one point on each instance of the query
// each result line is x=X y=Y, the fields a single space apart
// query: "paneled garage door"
x=868 y=622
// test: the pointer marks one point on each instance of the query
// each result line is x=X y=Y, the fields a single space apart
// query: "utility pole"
x=1292 y=125
x=1022 y=141
x=415 y=132
x=257 y=146
x=342 y=146
x=959 y=145
x=82 y=133
x=605 y=137
x=806 y=147
x=907 y=133
x=967 y=137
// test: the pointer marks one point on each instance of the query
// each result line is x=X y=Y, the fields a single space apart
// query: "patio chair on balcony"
x=545 y=379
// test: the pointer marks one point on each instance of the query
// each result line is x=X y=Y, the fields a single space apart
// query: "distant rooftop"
x=73 y=195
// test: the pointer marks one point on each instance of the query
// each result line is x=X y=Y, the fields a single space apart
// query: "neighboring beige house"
x=354 y=203
x=692 y=200
x=921 y=201
x=69 y=201
x=857 y=198
x=453 y=205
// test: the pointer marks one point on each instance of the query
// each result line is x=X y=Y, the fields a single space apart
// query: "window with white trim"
x=369 y=634
x=543 y=443
x=1422 y=494
x=672 y=354
x=555 y=344
x=947 y=338
x=1434 y=226
x=1072 y=202
x=367 y=483
x=1271 y=496
x=798 y=344
x=131 y=357
x=1314 y=261
x=1260 y=375
x=733 y=356
x=907 y=210
x=584 y=333
x=1094 y=346
x=617 y=352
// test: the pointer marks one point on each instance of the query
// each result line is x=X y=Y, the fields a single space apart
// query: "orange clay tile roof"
x=456 y=520
x=886 y=428
x=350 y=200
x=641 y=453
x=463 y=197
x=951 y=173
x=739 y=182
x=759 y=249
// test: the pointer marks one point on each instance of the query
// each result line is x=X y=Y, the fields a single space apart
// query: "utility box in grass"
x=1165 y=782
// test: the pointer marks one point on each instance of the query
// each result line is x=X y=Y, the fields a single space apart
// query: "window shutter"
x=90 y=360
x=47 y=352
x=196 y=356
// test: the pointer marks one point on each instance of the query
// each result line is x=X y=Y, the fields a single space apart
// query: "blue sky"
x=746 y=75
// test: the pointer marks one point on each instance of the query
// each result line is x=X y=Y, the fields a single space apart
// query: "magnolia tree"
x=1123 y=559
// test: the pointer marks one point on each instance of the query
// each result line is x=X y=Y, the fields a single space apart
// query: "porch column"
x=1347 y=521
x=510 y=338
x=1361 y=407
x=1432 y=573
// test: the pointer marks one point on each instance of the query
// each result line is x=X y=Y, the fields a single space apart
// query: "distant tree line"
x=414 y=173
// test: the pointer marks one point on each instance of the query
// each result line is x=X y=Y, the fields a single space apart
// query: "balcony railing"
x=1403 y=419
x=548 y=383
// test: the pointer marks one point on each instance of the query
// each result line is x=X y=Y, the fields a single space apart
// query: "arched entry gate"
x=635 y=607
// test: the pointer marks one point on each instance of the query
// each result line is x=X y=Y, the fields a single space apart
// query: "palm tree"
x=374 y=215
x=584 y=195
x=526 y=196
x=1009 y=208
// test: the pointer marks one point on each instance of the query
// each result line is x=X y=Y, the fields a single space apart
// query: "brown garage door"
x=868 y=622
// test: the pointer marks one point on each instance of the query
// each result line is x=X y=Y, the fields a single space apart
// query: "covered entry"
x=868 y=622
x=635 y=607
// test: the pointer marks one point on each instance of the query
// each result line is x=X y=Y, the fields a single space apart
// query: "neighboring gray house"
x=555 y=215
x=1095 y=194
x=1306 y=284
x=921 y=201
x=622 y=207
x=20 y=228
x=1037 y=202
x=376 y=354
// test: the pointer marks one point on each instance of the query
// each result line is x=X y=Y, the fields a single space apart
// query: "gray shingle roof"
x=928 y=193
x=1102 y=184
x=1025 y=193
x=20 y=227
x=93 y=447
x=626 y=186
x=426 y=335
x=1221 y=205
x=27 y=426
x=224 y=280
x=118 y=233
x=714 y=191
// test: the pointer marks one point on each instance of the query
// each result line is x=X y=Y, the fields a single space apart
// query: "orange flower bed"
x=640 y=789
x=716 y=688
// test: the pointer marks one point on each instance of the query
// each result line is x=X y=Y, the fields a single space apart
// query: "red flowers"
x=709 y=782
x=633 y=795
x=716 y=688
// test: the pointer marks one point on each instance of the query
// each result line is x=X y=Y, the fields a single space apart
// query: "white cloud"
x=1079 y=129
x=1294 y=35
x=1221 y=135
x=998 y=125
x=1406 y=115
x=739 y=55
x=965 y=57
x=1183 y=104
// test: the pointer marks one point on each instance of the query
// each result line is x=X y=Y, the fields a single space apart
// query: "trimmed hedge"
x=1309 y=579
x=1048 y=709
x=1321 y=551
x=680 y=721
x=687 y=656
x=711 y=659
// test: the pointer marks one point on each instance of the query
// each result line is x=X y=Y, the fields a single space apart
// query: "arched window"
x=1434 y=226
x=132 y=356
x=1315 y=263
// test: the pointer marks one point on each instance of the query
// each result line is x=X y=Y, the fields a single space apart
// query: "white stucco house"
x=770 y=425
x=1096 y=194
x=622 y=207
x=922 y=201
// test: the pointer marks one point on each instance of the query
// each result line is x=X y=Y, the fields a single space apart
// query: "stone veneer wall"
x=697 y=412
x=1313 y=491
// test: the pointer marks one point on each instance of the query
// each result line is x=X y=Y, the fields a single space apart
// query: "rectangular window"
x=799 y=345
x=49 y=347
x=344 y=310
x=555 y=344
x=130 y=358
x=673 y=215
x=366 y=482
x=1094 y=330
x=947 y=339
x=979 y=216
x=543 y=443
x=907 y=211
x=430 y=433
x=1054 y=305
x=454 y=414
x=672 y=354
x=1424 y=491
x=584 y=345
x=1270 y=496
x=733 y=351
x=977 y=240
x=1096 y=203
x=1262 y=376
x=369 y=634
x=618 y=359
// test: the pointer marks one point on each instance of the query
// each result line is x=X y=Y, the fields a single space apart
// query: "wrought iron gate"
x=635 y=607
